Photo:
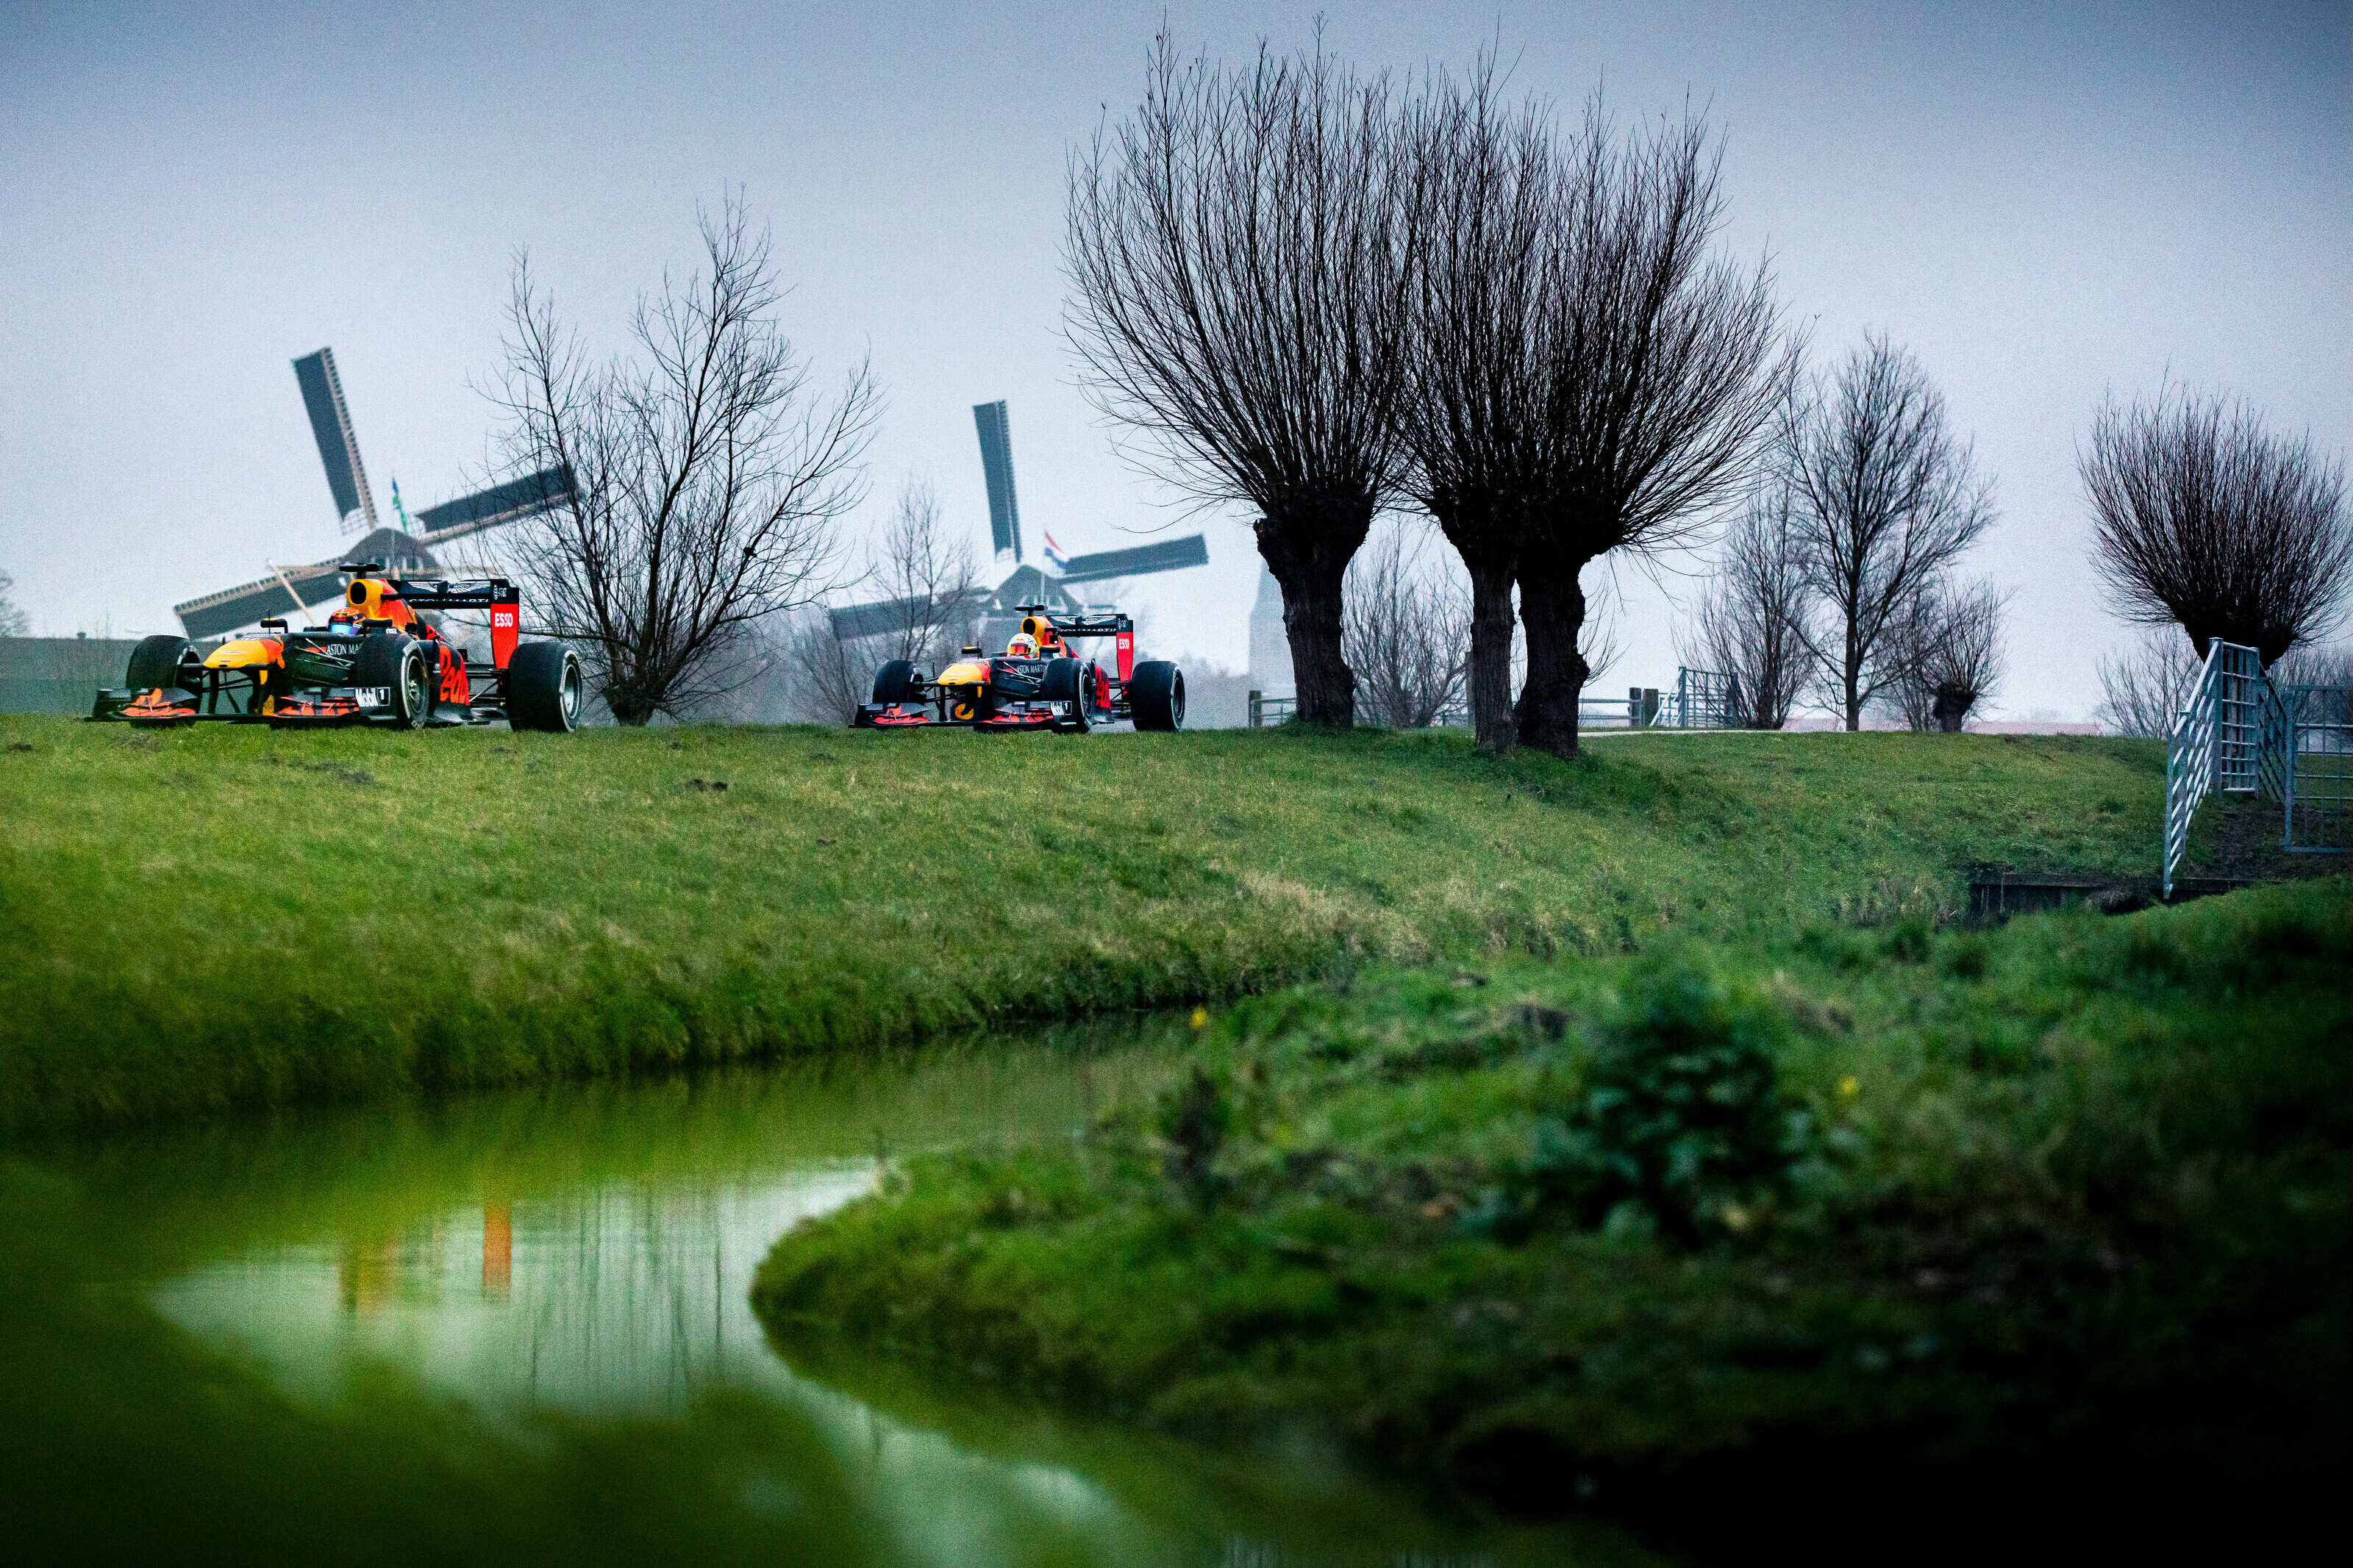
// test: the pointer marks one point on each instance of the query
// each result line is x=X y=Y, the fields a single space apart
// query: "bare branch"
x=1746 y=623
x=2148 y=684
x=1408 y=629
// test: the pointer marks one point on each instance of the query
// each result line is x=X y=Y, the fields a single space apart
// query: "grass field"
x=227 y=916
x=1959 y=1234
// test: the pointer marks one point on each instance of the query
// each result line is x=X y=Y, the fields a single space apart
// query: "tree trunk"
x=1853 y=684
x=1952 y=707
x=1490 y=685
x=1308 y=549
x=1552 y=608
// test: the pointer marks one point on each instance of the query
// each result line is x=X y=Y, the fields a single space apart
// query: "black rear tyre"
x=395 y=661
x=895 y=681
x=156 y=662
x=1155 y=698
x=544 y=688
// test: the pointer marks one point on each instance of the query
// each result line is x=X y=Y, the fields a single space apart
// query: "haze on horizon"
x=2045 y=203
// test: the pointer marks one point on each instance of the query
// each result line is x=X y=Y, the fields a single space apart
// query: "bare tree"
x=829 y=675
x=932 y=576
x=13 y=620
x=2206 y=519
x=1884 y=500
x=1407 y=632
x=1668 y=364
x=1484 y=445
x=1944 y=652
x=2310 y=664
x=2330 y=670
x=708 y=475
x=1746 y=625
x=2147 y=686
x=1239 y=251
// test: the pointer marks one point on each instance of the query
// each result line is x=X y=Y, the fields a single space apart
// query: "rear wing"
x=496 y=595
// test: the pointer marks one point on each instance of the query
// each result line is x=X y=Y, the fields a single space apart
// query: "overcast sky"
x=2043 y=203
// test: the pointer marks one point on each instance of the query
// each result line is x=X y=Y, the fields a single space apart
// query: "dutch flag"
x=1055 y=559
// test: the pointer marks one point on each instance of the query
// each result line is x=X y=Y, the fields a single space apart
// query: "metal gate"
x=2314 y=734
x=1709 y=699
x=2240 y=733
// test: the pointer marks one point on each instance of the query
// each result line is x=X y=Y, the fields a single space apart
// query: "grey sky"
x=2042 y=202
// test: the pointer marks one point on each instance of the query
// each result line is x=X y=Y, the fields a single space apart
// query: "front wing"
x=929 y=716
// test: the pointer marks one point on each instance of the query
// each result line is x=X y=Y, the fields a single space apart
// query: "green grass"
x=225 y=916
x=2053 y=1207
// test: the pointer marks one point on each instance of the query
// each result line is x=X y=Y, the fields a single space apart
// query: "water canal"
x=516 y=1327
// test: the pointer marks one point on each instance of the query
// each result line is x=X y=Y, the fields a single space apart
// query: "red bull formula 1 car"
x=377 y=661
x=1038 y=683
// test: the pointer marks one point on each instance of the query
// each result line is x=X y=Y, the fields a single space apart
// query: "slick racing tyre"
x=544 y=688
x=895 y=682
x=1066 y=681
x=1156 y=696
x=397 y=663
x=156 y=662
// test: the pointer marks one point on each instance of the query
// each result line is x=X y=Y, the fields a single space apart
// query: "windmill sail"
x=339 y=448
x=1169 y=555
x=997 y=464
x=510 y=503
x=290 y=590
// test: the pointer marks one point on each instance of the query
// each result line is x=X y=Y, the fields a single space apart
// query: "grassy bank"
x=2059 y=1208
x=219 y=917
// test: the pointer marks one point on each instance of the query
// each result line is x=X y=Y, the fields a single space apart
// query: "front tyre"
x=156 y=662
x=397 y=663
x=1067 y=681
x=895 y=682
x=1156 y=697
x=544 y=688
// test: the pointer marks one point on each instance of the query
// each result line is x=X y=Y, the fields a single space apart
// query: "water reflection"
x=619 y=1297
x=585 y=1255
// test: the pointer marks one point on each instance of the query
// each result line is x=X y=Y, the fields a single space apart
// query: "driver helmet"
x=1023 y=645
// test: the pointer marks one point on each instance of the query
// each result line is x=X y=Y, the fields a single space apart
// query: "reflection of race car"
x=377 y=661
x=1036 y=684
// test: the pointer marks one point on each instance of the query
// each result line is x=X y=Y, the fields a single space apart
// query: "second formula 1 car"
x=1037 y=683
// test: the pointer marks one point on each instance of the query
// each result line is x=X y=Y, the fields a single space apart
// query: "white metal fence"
x=2240 y=734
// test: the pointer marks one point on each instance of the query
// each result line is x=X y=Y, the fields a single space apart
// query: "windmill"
x=404 y=551
x=998 y=608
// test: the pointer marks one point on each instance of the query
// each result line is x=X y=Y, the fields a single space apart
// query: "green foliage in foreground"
x=2070 y=1195
x=222 y=916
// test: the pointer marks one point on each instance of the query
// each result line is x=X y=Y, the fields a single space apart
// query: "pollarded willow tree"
x=1668 y=362
x=1485 y=447
x=2206 y=519
x=1241 y=254
x=1947 y=654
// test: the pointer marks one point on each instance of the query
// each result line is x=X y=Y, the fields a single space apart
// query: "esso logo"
x=502 y=618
